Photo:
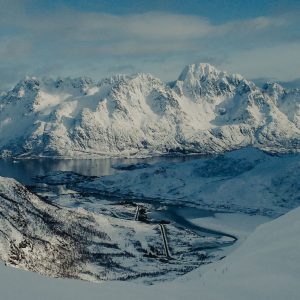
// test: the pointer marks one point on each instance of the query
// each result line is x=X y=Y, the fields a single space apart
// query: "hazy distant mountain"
x=205 y=110
x=292 y=84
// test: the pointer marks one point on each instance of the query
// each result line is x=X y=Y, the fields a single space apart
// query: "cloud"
x=65 y=41
x=270 y=62
x=122 y=69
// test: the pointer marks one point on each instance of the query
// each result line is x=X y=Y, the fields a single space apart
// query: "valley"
x=166 y=234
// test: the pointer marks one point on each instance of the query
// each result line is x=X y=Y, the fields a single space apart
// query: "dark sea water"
x=25 y=170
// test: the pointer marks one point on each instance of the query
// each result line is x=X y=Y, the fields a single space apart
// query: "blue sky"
x=257 y=38
x=216 y=10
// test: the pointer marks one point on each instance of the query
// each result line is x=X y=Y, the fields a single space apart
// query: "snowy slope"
x=266 y=266
x=205 y=111
x=246 y=180
x=74 y=243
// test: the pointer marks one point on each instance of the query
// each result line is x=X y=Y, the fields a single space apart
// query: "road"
x=164 y=236
x=137 y=212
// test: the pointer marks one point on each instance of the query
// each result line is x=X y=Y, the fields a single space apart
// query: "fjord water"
x=25 y=170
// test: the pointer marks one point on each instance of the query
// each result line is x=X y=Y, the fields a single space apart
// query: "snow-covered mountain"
x=205 y=111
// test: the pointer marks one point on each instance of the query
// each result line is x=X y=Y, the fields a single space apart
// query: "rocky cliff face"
x=205 y=111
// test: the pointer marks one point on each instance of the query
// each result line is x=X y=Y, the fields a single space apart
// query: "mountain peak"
x=205 y=81
x=28 y=82
x=199 y=71
x=205 y=70
x=273 y=88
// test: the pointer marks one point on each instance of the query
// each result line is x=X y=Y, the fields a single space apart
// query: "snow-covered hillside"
x=74 y=243
x=205 y=111
x=266 y=266
x=246 y=180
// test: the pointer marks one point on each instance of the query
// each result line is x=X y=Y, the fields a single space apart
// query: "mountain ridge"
x=204 y=111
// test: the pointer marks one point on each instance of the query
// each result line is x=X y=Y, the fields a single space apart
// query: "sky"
x=259 y=39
